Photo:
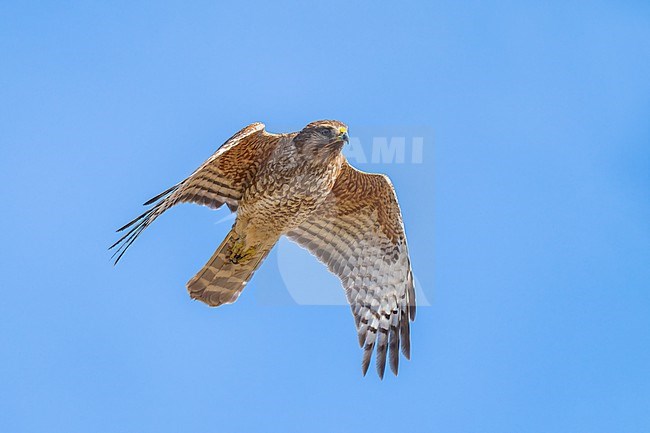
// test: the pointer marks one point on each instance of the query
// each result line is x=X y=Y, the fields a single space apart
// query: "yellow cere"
x=343 y=129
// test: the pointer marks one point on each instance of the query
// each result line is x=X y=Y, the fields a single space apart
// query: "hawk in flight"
x=300 y=185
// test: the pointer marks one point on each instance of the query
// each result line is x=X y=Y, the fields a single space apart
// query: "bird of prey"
x=300 y=185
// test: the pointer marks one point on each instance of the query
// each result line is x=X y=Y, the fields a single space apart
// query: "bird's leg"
x=236 y=247
x=239 y=253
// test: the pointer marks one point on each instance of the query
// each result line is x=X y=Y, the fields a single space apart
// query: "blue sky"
x=528 y=218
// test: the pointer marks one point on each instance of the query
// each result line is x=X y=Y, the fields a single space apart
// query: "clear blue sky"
x=528 y=218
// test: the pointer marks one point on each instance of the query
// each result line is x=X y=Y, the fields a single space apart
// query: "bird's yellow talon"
x=248 y=254
x=240 y=254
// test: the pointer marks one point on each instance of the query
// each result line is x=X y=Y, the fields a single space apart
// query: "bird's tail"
x=223 y=278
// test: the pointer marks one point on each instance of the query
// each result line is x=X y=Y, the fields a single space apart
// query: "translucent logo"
x=310 y=283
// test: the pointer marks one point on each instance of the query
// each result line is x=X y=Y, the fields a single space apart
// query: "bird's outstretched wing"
x=221 y=179
x=358 y=233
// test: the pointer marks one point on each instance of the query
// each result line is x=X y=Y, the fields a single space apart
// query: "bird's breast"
x=285 y=196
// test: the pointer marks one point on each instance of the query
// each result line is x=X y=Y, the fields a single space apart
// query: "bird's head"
x=323 y=137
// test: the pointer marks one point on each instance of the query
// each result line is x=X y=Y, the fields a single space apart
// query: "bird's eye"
x=327 y=132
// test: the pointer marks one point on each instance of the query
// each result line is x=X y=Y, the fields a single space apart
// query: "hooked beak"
x=343 y=135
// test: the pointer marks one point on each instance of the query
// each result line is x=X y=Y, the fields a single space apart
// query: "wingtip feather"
x=159 y=196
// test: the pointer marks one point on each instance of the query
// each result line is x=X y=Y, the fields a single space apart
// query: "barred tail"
x=221 y=281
